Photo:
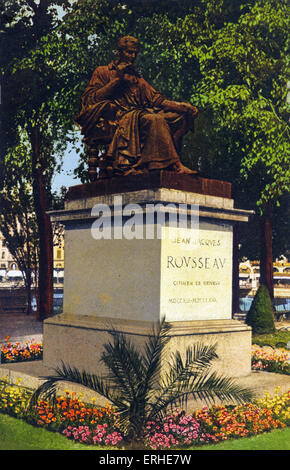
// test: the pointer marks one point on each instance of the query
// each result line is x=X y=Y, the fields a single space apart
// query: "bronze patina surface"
x=138 y=128
x=150 y=180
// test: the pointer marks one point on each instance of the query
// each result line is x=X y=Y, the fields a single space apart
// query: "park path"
x=20 y=327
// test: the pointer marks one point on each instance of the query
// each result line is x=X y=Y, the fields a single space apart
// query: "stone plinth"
x=78 y=340
x=141 y=268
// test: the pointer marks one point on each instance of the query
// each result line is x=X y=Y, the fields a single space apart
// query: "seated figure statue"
x=140 y=129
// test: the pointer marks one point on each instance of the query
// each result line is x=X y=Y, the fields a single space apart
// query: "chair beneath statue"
x=99 y=165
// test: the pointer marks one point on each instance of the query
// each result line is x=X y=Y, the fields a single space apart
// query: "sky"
x=70 y=158
x=65 y=177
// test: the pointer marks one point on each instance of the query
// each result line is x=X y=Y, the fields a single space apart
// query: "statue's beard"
x=131 y=69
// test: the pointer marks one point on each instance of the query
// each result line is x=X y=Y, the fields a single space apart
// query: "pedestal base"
x=117 y=271
x=78 y=341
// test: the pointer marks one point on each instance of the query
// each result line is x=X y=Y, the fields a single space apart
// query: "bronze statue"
x=139 y=129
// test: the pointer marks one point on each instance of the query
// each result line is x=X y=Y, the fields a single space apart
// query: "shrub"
x=130 y=384
x=260 y=316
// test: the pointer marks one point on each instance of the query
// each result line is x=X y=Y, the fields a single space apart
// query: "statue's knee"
x=152 y=119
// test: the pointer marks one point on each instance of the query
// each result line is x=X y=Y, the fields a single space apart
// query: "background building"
x=249 y=280
x=10 y=274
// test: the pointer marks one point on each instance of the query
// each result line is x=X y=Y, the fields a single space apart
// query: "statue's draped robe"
x=130 y=119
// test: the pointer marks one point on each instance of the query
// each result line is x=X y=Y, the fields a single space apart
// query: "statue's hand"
x=129 y=78
x=122 y=70
x=178 y=107
x=188 y=108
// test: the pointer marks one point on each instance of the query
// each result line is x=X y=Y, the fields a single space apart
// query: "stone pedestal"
x=138 y=249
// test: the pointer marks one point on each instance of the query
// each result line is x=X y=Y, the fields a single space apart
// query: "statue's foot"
x=133 y=171
x=181 y=169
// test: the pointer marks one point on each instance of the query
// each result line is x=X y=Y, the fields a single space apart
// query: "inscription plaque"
x=196 y=274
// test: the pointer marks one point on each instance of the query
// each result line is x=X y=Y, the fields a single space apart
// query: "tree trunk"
x=28 y=292
x=45 y=269
x=266 y=256
x=236 y=286
x=28 y=278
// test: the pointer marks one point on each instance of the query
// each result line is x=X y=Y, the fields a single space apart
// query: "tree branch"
x=32 y=5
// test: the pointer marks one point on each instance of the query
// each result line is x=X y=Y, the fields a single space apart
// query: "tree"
x=29 y=87
x=141 y=387
x=17 y=219
x=242 y=90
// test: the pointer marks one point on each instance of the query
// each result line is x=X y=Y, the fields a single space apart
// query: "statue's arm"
x=94 y=94
x=108 y=90
x=159 y=101
x=102 y=86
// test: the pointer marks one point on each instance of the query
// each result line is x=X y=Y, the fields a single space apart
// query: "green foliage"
x=260 y=316
x=275 y=339
x=17 y=218
x=275 y=440
x=244 y=86
x=142 y=387
x=16 y=434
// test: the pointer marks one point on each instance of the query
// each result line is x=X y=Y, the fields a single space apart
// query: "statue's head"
x=128 y=48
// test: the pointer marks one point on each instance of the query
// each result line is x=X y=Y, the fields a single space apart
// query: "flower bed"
x=69 y=410
x=13 y=399
x=89 y=424
x=99 y=435
x=277 y=360
x=177 y=429
x=29 y=351
x=278 y=404
x=239 y=421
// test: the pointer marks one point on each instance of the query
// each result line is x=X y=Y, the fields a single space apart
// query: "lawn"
x=279 y=439
x=15 y=434
x=273 y=339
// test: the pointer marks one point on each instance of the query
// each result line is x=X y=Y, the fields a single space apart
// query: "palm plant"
x=141 y=387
